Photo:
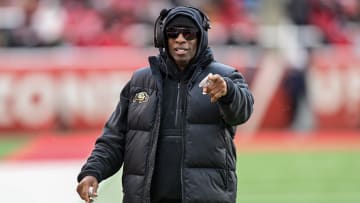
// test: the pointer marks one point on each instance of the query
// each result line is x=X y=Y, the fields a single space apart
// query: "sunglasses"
x=188 y=33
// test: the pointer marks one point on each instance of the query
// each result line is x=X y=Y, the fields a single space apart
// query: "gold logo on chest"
x=141 y=97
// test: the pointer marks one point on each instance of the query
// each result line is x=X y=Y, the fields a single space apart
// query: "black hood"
x=203 y=54
x=199 y=20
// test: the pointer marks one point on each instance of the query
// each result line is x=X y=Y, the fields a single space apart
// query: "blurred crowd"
x=39 y=23
x=337 y=20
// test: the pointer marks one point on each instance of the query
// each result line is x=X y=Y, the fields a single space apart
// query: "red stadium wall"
x=334 y=88
x=78 y=88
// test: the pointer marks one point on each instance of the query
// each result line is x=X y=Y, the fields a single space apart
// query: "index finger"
x=214 y=77
x=83 y=191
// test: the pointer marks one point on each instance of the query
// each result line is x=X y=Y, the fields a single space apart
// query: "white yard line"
x=39 y=182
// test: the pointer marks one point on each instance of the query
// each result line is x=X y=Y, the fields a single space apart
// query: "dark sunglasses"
x=188 y=33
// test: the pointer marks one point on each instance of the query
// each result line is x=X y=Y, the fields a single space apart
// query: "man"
x=174 y=138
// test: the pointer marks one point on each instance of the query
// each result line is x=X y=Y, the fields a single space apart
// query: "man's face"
x=182 y=44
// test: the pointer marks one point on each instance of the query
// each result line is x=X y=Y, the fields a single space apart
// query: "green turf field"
x=263 y=177
x=10 y=144
x=280 y=177
x=321 y=177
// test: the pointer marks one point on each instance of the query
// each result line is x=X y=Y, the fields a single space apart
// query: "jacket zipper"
x=178 y=107
x=179 y=114
x=183 y=149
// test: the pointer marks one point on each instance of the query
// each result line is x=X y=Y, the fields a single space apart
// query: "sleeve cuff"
x=88 y=173
x=227 y=99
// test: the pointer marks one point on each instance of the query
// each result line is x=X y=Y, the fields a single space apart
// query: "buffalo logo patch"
x=141 y=97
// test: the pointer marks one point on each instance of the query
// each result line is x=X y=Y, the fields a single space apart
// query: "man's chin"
x=182 y=60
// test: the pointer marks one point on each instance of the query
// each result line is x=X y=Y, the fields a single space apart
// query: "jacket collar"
x=169 y=69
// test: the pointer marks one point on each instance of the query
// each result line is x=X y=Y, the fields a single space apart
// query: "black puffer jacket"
x=130 y=136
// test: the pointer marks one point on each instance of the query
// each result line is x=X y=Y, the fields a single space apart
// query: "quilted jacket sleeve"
x=108 y=154
x=237 y=105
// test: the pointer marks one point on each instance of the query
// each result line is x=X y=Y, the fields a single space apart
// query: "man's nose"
x=180 y=38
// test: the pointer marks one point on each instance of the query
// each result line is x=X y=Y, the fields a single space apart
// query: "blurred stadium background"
x=64 y=62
